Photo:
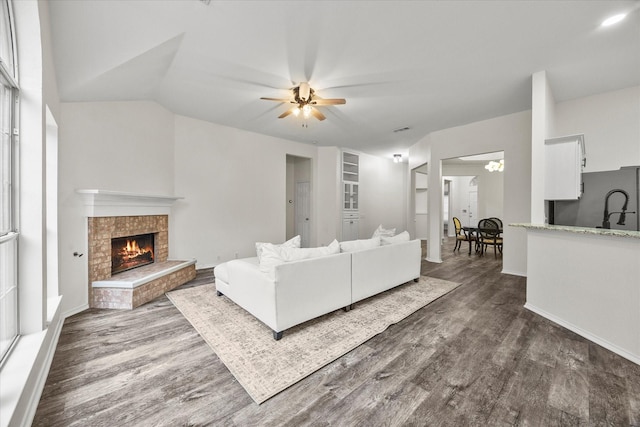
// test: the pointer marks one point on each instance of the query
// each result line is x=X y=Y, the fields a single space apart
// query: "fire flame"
x=132 y=250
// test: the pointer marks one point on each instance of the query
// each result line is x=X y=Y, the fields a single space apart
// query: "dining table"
x=473 y=231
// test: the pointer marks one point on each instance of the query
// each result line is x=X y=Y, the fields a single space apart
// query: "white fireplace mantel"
x=102 y=203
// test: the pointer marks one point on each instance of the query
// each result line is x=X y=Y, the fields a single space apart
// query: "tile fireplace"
x=128 y=249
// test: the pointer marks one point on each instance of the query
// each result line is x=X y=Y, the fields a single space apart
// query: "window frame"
x=10 y=236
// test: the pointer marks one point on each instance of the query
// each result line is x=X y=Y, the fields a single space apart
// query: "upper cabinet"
x=564 y=160
x=350 y=167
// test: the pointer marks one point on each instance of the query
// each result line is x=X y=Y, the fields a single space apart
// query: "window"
x=9 y=326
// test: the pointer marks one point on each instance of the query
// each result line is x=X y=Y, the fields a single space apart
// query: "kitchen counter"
x=587 y=280
x=581 y=230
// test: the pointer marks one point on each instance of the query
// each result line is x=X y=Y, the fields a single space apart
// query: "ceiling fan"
x=305 y=100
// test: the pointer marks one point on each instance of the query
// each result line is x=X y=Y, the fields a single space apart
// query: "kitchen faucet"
x=605 y=220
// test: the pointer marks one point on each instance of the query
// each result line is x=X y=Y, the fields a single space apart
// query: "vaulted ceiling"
x=426 y=65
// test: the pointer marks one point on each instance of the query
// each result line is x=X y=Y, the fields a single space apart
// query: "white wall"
x=610 y=123
x=120 y=146
x=234 y=188
x=542 y=127
x=328 y=195
x=490 y=194
x=382 y=195
x=511 y=134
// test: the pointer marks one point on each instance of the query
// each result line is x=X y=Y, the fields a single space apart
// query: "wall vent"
x=401 y=129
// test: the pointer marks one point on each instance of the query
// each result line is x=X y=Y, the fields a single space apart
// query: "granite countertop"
x=580 y=230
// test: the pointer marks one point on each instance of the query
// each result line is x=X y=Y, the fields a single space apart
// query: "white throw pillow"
x=291 y=243
x=270 y=257
x=384 y=232
x=402 y=237
x=274 y=255
x=358 y=245
x=296 y=254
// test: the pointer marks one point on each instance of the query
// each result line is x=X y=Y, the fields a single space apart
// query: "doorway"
x=298 y=199
x=475 y=192
x=446 y=207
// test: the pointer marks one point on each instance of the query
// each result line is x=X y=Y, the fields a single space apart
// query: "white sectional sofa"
x=300 y=290
x=381 y=268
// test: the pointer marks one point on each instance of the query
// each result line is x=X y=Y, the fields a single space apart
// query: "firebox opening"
x=131 y=252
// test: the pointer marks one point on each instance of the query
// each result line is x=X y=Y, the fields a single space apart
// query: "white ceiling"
x=428 y=65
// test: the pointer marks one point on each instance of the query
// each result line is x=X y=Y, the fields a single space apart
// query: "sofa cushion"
x=294 y=242
x=384 y=232
x=358 y=245
x=402 y=237
x=221 y=272
x=274 y=255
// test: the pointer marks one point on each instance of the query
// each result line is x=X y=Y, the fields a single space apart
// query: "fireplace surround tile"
x=100 y=232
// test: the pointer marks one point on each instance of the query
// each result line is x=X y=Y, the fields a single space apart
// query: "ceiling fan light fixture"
x=303 y=100
x=304 y=91
x=495 y=166
x=613 y=19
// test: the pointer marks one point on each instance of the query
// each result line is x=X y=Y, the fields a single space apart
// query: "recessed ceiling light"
x=613 y=19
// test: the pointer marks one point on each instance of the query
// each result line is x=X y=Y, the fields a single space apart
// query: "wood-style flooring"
x=473 y=357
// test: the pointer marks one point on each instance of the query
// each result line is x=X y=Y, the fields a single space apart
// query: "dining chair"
x=461 y=235
x=489 y=235
x=498 y=220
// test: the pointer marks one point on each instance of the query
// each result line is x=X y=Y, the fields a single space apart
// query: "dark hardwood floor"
x=473 y=357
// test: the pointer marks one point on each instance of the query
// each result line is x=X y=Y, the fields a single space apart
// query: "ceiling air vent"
x=401 y=129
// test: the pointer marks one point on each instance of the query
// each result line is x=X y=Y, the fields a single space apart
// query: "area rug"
x=265 y=367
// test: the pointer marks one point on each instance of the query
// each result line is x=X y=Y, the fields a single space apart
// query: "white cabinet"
x=350 y=196
x=350 y=222
x=564 y=160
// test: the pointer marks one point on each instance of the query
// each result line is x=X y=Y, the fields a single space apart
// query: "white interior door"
x=473 y=208
x=303 y=212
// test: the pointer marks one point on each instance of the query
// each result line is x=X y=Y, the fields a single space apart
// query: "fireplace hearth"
x=131 y=252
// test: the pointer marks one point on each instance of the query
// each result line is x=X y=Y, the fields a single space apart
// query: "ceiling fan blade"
x=337 y=101
x=276 y=99
x=286 y=113
x=317 y=114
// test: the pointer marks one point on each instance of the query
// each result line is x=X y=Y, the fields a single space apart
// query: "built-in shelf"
x=103 y=203
x=350 y=167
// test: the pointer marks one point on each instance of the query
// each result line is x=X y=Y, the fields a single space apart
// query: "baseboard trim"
x=436 y=260
x=591 y=337
x=75 y=310
x=514 y=273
